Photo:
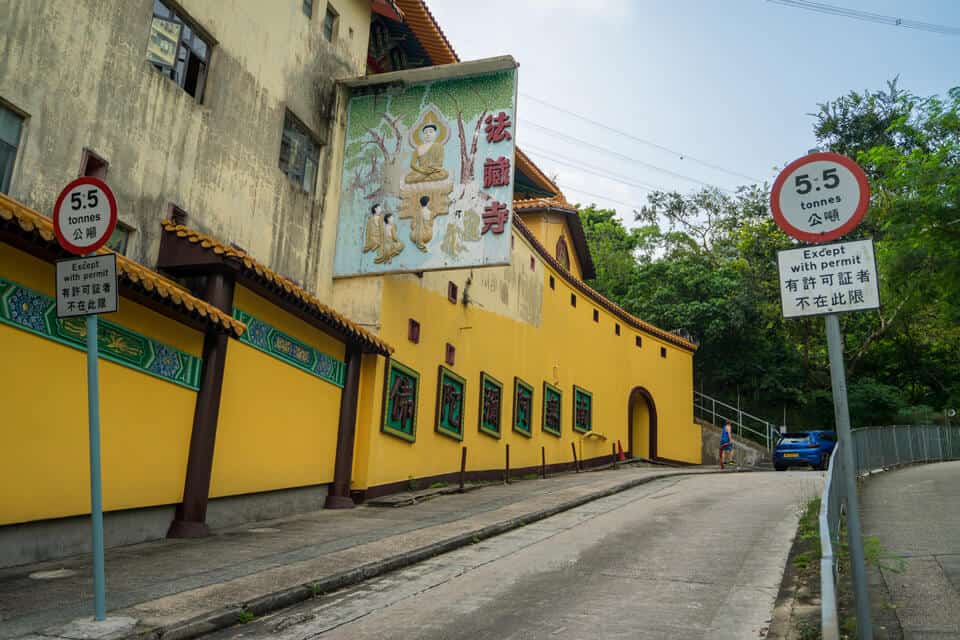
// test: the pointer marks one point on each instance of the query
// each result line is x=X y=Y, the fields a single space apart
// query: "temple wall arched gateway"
x=529 y=329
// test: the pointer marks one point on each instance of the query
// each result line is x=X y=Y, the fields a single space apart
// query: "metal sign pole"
x=842 y=416
x=96 y=489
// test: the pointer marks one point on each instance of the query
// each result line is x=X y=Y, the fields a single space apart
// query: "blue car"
x=809 y=448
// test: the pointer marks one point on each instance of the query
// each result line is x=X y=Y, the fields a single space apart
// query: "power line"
x=617 y=154
x=607 y=198
x=868 y=16
x=604 y=173
x=593 y=170
x=679 y=154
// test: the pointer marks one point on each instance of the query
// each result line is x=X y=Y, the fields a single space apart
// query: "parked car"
x=811 y=448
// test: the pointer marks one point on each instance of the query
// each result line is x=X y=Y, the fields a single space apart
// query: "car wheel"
x=780 y=467
x=824 y=461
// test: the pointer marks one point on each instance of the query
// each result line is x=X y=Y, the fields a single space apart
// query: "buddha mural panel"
x=419 y=191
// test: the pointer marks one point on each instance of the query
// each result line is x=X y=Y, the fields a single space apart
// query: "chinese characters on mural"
x=402 y=405
x=551 y=409
x=450 y=404
x=428 y=176
x=490 y=402
x=400 y=411
x=523 y=407
x=582 y=410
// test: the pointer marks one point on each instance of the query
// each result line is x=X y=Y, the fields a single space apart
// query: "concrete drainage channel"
x=284 y=598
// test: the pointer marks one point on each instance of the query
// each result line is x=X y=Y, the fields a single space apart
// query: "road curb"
x=268 y=603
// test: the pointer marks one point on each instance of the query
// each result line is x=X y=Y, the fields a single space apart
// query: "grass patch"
x=439 y=485
x=247 y=616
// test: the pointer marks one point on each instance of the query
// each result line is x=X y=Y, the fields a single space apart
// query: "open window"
x=299 y=153
x=330 y=20
x=11 y=124
x=177 y=50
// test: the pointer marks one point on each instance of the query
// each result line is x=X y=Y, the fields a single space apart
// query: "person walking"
x=726 y=441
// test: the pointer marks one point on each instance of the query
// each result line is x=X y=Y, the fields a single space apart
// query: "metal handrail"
x=708 y=406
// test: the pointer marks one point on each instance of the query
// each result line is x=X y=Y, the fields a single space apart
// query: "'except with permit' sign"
x=831 y=278
x=87 y=286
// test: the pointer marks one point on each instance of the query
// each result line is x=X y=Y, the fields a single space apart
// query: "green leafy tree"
x=705 y=262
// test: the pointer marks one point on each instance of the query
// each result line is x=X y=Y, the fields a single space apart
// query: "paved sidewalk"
x=914 y=513
x=183 y=587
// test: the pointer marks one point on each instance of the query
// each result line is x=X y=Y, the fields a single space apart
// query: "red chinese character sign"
x=820 y=197
x=428 y=170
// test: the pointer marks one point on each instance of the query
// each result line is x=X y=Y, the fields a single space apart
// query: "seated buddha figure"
x=427 y=139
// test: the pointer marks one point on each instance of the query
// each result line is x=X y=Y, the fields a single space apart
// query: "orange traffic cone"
x=620 y=456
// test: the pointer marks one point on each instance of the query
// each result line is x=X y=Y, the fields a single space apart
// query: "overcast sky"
x=728 y=83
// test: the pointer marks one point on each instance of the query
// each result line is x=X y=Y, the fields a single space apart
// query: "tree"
x=706 y=262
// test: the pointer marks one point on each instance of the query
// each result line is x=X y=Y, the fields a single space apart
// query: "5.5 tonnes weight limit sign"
x=85 y=215
x=820 y=197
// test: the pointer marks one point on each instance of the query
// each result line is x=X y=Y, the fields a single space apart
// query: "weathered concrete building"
x=235 y=133
x=240 y=380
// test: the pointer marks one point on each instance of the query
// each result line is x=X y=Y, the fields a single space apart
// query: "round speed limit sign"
x=820 y=197
x=85 y=215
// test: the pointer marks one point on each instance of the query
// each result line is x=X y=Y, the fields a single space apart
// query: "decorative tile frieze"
x=273 y=342
x=32 y=311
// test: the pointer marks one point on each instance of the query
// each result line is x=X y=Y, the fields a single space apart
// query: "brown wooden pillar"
x=191 y=515
x=339 y=496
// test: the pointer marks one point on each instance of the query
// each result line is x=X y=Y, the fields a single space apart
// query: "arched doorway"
x=642 y=417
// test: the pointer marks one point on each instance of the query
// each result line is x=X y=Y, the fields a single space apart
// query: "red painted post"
x=543 y=462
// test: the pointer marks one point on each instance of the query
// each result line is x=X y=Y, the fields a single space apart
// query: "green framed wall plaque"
x=522 y=407
x=552 y=409
x=450 y=403
x=582 y=409
x=491 y=404
x=401 y=391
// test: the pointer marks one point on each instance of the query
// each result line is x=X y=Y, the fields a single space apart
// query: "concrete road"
x=913 y=512
x=693 y=557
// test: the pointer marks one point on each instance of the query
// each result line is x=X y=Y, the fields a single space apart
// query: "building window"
x=616 y=328
x=10 y=126
x=330 y=24
x=639 y=341
x=177 y=50
x=450 y=354
x=563 y=255
x=663 y=352
x=178 y=215
x=573 y=299
x=308 y=8
x=120 y=238
x=452 y=292
x=596 y=316
x=552 y=283
x=413 y=331
x=299 y=153
x=93 y=165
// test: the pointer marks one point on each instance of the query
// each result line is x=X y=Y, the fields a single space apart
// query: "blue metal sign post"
x=96 y=484
x=84 y=217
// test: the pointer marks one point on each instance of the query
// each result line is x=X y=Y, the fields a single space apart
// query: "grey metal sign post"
x=819 y=198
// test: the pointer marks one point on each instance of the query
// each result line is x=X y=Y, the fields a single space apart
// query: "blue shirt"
x=724 y=436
